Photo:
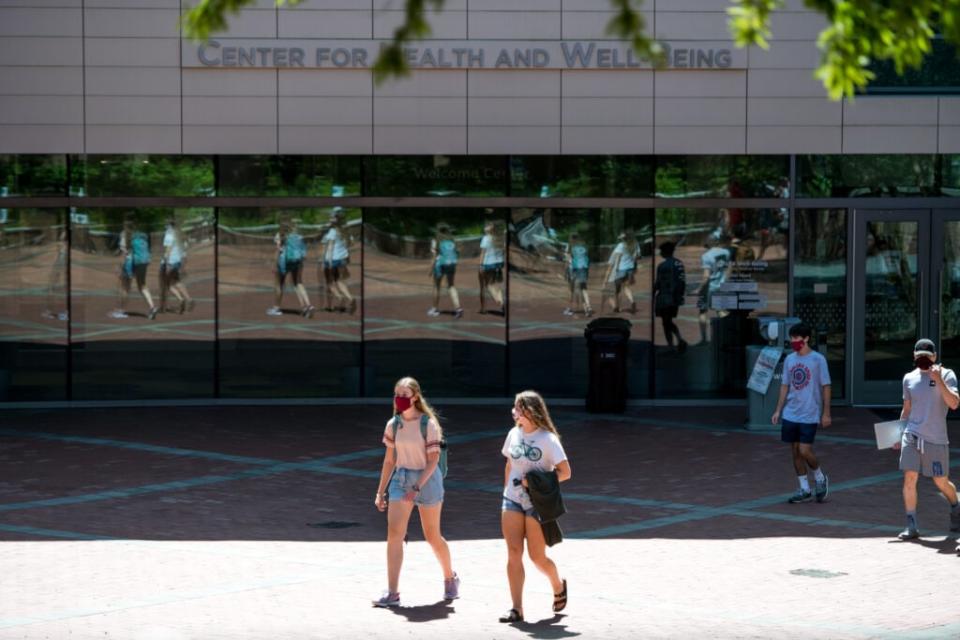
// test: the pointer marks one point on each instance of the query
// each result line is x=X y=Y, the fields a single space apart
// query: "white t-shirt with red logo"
x=805 y=377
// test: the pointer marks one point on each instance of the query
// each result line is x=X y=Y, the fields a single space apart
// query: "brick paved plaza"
x=258 y=522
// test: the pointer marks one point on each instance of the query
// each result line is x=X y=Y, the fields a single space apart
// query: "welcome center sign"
x=437 y=54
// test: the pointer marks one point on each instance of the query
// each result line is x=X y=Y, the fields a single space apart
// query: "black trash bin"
x=608 y=343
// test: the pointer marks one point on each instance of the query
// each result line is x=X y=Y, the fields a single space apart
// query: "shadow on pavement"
x=426 y=612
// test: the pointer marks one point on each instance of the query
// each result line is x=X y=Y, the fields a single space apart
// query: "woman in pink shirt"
x=410 y=476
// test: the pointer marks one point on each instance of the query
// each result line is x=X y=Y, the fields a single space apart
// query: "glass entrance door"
x=945 y=259
x=906 y=286
x=891 y=310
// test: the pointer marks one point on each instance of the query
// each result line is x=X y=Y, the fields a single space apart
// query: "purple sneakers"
x=451 y=588
x=388 y=600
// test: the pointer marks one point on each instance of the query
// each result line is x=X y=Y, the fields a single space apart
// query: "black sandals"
x=560 y=599
x=512 y=616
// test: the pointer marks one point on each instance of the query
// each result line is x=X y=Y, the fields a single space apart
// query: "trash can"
x=608 y=343
x=765 y=364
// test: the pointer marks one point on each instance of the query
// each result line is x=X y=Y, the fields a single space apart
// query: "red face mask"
x=924 y=363
x=402 y=403
x=797 y=345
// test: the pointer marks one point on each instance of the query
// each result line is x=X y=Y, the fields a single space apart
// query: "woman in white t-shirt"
x=621 y=269
x=491 y=265
x=411 y=476
x=336 y=257
x=171 y=268
x=533 y=444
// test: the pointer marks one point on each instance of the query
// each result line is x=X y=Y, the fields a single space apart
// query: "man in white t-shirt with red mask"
x=929 y=392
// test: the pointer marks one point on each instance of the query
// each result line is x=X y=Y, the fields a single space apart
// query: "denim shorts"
x=430 y=494
x=510 y=505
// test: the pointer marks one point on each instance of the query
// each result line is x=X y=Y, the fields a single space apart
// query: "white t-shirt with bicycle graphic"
x=540 y=450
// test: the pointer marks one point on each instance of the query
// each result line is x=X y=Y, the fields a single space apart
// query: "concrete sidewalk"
x=240 y=522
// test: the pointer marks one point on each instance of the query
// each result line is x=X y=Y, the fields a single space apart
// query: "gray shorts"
x=933 y=461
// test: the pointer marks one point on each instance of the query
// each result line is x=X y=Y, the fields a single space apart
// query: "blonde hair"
x=420 y=404
x=534 y=407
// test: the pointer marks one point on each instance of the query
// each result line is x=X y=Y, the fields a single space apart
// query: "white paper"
x=889 y=433
x=764 y=369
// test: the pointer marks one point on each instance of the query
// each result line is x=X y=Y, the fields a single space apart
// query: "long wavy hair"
x=420 y=404
x=534 y=407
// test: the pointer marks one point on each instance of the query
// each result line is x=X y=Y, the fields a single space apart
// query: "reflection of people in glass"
x=621 y=268
x=732 y=217
x=774 y=223
x=578 y=271
x=171 y=267
x=291 y=252
x=445 y=257
x=55 y=281
x=491 y=265
x=336 y=257
x=135 y=248
x=411 y=476
x=715 y=261
x=668 y=291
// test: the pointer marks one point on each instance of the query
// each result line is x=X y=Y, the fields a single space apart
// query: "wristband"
x=416 y=488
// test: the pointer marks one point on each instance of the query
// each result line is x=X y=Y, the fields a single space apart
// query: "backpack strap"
x=396 y=425
x=424 y=421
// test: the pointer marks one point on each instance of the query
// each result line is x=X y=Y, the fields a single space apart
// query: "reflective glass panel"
x=948 y=277
x=33 y=175
x=434 y=284
x=858 y=176
x=735 y=268
x=891 y=307
x=142 y=303
x=722 y=177
x=950 y=175
x=938 y=73
x=568 y=266
x=33 y=304
x=289 y=302
x=581 y=176
x=288 y=175
x=141 y=175
x=820 y=285
x=442 y=176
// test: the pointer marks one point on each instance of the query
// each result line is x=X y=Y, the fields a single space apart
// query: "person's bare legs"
x=123 y=292
x=537 y=550
x=910 y=490
x=512 y=524
x=799 y=462
x=809 y=457
x=398 y=515
x=947 y=488
x=145 y=292
x=430 y=522
x=454 y=297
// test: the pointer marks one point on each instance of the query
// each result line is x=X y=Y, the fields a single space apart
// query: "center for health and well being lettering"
x=274 y=54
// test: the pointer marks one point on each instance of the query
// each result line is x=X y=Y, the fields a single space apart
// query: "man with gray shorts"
x=929 y=391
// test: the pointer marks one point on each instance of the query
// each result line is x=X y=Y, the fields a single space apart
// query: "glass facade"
x=735 y=267
x=478 y=275
x=820 y=285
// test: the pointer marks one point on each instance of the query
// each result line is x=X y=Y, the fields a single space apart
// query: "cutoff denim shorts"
x=431 y=493
x=512 y=505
